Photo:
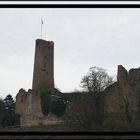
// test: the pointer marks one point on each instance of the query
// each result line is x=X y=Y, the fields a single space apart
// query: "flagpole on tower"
x=41 y=26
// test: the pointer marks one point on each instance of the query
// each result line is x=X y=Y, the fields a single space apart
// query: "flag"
x=42 y=21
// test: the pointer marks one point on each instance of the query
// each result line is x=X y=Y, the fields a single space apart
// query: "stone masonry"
x=28 y=104
x=126 y=87
x=29 y=107
x=43 y=65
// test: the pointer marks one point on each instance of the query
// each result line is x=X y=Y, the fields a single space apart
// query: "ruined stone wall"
x=127 y=86
x=43 y=75
x=28 y=105
x=122 y=75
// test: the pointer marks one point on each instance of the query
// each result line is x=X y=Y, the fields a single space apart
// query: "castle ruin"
x=126 y=88
x=28 y=104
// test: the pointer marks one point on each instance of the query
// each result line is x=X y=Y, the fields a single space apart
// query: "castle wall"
x=127 y=87
x=122 y=75
x=28 y=105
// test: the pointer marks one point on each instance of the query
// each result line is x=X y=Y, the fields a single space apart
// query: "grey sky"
x=82 y=37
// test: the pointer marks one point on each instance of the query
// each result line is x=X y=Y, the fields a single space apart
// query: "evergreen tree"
x=10 y=117
x=9 y=103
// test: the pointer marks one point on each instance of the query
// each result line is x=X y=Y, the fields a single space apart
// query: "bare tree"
x=88 y=109
x=96 y=80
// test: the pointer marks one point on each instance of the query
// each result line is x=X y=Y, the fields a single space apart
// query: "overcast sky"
x=82 y=38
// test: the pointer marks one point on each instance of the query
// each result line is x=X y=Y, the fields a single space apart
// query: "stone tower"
x=28 y=104
x=43 y=76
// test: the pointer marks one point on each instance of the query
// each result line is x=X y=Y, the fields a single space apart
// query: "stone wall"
x=28 y=105
x=126 y=87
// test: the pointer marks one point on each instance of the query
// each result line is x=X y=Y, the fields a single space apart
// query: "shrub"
x=45 y=102
x=11 y=120
x=58 y=107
